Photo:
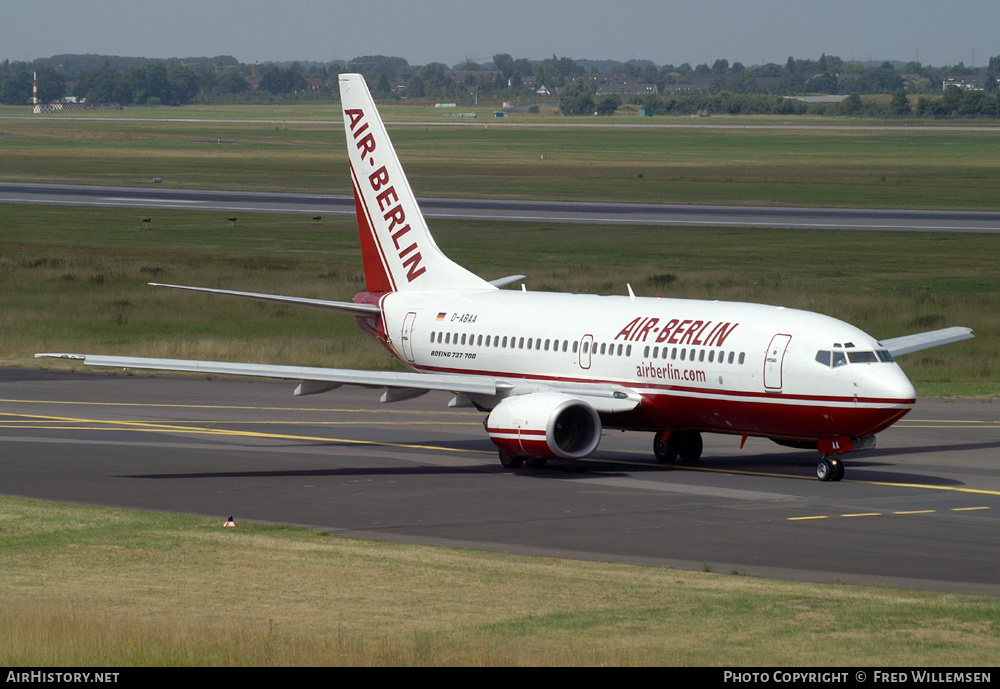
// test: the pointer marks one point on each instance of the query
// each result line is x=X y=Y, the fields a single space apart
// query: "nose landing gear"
x=830 y=468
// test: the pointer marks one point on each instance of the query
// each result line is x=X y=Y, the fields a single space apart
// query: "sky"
x=753 y=32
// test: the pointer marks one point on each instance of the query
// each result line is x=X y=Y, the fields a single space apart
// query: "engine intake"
x=545 y=424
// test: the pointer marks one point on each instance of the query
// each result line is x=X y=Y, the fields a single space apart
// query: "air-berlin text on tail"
x=388 y=200
x=676 y=331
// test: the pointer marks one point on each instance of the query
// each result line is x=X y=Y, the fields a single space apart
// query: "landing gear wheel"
x=536 y=462
x=838 y=472
x=830 y=469
x=665 y=446
x=510 y=461
x=691 y=446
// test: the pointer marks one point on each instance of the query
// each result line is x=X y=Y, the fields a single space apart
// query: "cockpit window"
x=837 y=358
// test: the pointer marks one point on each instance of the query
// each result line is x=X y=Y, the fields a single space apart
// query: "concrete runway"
x=921 y=511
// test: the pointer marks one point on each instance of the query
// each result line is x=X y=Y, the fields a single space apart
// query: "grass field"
x=85 y=586
x=894 y=167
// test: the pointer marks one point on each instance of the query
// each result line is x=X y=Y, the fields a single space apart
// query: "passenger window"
x=701 y=356
x=604 y=347
x=447 y=338
x=656 y=352
x=628 y=351
x=742 y=357
x=463 y=338
x=620 y=350
x=577 y=344
x=731 y=355
x=711 y=356
x=520 y=343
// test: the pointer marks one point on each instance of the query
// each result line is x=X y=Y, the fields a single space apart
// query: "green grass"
x=87 y=586
x=882 y=168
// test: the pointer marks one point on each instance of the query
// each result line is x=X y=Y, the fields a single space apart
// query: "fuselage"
x=721 y=367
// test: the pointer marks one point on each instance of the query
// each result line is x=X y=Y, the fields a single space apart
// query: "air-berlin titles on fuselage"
x=387 y=197
x=678 y=332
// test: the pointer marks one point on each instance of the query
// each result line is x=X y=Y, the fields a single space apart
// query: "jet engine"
x=544 y=425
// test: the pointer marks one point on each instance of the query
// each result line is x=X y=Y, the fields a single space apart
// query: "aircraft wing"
x=919 y=341
x=341 y=306
x=603 y=398
x=421 y=381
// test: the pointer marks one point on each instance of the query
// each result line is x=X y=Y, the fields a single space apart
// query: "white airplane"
x=553 y=370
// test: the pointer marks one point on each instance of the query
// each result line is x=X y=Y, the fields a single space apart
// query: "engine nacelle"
x=545 y=424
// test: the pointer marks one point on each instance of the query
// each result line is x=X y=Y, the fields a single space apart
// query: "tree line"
x=909 y=90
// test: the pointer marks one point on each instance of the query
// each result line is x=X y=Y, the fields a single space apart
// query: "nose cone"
x=887 y=384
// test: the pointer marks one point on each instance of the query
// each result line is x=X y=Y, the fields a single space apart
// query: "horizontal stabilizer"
x=341 y=306
x=906 y=344
x=503 y=282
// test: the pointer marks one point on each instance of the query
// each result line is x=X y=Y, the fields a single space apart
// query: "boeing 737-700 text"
x=552 y=370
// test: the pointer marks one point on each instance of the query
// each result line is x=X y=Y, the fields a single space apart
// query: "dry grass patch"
x=85 y=586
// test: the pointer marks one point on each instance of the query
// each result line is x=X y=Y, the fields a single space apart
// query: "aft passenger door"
x=406 y=338
x=773 y=360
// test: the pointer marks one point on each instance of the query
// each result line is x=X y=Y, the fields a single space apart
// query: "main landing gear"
x=512 y=461
x=830 y=468
x=669 y=446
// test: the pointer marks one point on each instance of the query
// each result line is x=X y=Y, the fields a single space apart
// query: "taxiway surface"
x=150 y=199
x=922 y=510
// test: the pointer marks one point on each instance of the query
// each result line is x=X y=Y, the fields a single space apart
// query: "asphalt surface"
x=154 y=198
x=922 y=510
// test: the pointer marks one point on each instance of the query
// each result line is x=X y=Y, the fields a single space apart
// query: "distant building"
x=844 y=81
x=693 y=85
x=600 y=78
x=967 y=83
x=626 y=88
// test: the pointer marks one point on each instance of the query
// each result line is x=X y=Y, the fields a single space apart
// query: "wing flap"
x=906 y=344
